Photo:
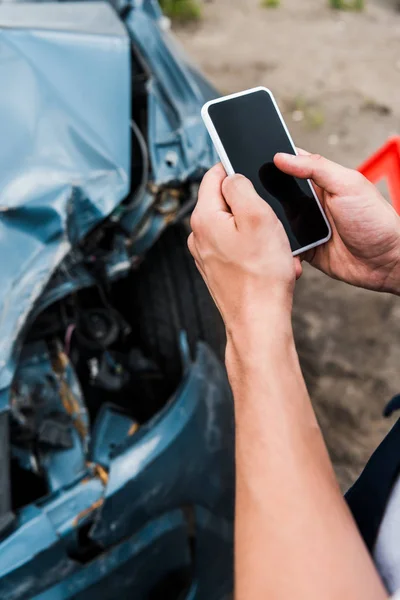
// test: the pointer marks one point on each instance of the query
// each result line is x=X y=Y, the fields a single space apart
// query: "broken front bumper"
x=128 y=522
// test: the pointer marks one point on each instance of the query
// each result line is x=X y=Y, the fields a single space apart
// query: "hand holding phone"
x=248 y=130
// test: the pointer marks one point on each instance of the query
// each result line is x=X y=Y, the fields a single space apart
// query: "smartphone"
x=247 y=130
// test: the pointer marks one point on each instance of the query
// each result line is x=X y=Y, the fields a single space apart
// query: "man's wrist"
x=264 y=334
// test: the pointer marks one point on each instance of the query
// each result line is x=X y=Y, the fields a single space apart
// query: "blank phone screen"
x=252 y=132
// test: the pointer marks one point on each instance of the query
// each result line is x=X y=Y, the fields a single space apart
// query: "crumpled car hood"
x=65 y=109
x=65 y=135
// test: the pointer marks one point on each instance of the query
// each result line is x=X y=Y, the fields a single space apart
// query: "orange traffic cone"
x=386 y=163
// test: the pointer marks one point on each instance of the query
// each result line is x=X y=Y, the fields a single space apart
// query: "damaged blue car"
x=116 y=418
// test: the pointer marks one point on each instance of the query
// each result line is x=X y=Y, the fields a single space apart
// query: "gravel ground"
x=337 y=78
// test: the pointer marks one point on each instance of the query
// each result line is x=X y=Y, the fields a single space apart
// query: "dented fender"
x=183 y=458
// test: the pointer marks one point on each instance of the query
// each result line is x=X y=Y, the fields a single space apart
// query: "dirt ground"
x=337 y=78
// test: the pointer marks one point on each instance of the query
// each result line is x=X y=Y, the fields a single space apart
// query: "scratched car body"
x=115 y=412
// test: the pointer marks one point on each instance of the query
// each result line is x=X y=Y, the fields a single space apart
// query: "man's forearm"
x=295 y=537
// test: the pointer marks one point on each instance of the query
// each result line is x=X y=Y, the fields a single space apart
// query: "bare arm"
x=295 y=537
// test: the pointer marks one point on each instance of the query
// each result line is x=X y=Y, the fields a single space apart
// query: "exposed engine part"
x=108 y=373
x=124 y=377
x=97 y=328
x=48 y=413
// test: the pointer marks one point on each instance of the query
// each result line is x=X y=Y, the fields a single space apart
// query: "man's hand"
x=365 y=245
x=242 y=251
x=294 y=535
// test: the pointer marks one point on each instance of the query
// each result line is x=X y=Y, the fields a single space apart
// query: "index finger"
x=210 y=193
x=318 y=190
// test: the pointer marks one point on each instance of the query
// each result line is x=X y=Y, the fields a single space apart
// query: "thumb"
x=330 y=176
x=246 y=205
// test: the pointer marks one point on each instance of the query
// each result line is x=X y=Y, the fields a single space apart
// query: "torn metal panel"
x=179 y=145
x=167 y=462
x=65 y=144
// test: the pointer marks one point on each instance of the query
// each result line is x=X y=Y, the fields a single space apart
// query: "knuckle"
x=209 y=175
x=317 y=164
x=357 y=178
x=255 y=221
x=195 y=221
x=206 y=183
x=316 y=157
x=257 y=216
